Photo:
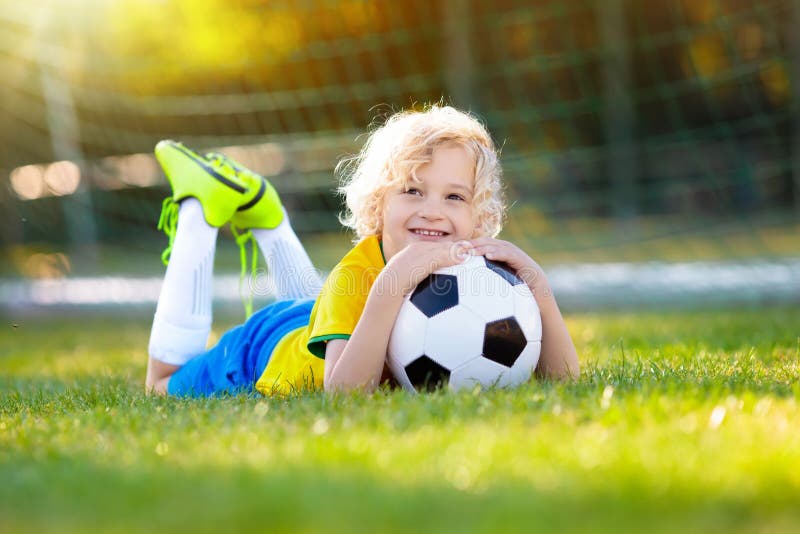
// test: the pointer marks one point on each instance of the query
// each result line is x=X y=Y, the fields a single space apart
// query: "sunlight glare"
x=28 y=182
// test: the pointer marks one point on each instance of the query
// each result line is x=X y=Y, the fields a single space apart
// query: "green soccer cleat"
x=227 y=191
x=217 y=186
x=261 y=206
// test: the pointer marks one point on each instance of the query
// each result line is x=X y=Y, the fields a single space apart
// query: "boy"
x=424 y=191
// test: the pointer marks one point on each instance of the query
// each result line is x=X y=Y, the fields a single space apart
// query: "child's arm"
x=558 y=358
x=358 y=363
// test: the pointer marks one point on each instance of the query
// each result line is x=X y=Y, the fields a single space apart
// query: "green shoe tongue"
x=220 y=159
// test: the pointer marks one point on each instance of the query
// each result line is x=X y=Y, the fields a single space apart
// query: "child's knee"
x=158 y=374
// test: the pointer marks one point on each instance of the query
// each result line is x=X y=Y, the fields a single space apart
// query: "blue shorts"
x=235 y=363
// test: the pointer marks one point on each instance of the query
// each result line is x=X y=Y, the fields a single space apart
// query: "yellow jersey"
x=298 y=360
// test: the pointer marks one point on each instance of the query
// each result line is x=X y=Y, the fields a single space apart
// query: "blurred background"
x=651 y=147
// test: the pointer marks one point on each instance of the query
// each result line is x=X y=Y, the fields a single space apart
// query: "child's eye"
x=455 y=197
x=413 y=191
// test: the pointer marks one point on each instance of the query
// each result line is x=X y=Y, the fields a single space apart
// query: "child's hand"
x=495 y=249
x=412 y=264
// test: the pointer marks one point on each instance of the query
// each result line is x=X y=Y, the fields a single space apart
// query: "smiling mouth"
x=428 y=233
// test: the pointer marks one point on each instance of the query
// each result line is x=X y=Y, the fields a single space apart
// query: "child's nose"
x=431 y=209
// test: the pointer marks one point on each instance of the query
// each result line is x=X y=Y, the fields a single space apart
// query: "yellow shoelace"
x=242 y=239
x=168 y=223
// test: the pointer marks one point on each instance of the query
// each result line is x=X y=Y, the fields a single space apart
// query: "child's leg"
x=289 y=265
x=209 y=194
x=215 y=190
x=182 y=319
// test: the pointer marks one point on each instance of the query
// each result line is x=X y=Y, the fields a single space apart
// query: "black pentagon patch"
x=435 y=294
x=504 y=271
x=503 y=341
x=427 y=375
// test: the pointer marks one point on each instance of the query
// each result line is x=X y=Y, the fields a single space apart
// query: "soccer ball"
x=465 y=325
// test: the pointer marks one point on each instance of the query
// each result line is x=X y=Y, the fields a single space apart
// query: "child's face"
x=439 y=208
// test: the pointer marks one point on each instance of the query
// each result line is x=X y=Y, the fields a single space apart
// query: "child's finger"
x=488 y=251
x=478 y=241
x=462 y=250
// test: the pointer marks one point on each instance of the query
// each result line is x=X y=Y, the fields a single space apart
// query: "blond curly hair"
x=395 y=151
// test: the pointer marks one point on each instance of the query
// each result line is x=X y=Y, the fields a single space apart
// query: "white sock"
x=293 y=274
x=182 y=320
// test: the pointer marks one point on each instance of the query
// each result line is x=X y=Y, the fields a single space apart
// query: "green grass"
x=682 y=421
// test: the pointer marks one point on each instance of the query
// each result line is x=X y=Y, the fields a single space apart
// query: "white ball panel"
x=453 y=337
x=477 y=371
x=487 y=294
x=406 y=342
x=522 y=290
x=527 y=312
x=524 y=366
